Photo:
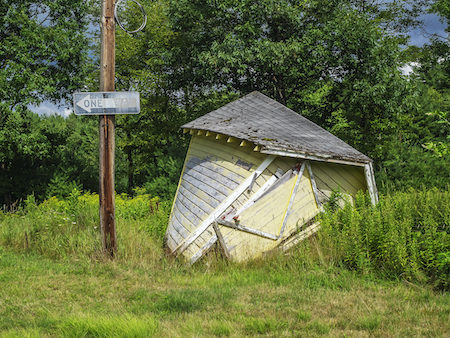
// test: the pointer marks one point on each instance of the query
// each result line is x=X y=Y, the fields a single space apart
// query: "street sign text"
x=106 y=103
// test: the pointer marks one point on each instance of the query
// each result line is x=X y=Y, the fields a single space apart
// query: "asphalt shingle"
x=266 y=122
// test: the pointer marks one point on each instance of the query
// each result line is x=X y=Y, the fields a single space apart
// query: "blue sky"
x=418 y=38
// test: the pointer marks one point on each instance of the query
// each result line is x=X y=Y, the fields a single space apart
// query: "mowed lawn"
x=276 y=297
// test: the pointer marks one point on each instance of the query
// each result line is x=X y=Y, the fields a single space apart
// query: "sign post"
x=107 y=103
x=107 y=131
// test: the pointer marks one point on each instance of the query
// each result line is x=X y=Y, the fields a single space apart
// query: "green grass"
x=43 y=297
x=55 y=283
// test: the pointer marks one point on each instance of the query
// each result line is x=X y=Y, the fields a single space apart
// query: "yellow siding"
x=210 y=175
x=215 y=168
x=329 y=176
x=267 y=215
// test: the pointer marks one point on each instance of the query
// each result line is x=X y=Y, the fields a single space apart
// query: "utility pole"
x=107 y=132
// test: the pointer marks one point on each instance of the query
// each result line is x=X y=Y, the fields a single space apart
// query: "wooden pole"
x=107 y=133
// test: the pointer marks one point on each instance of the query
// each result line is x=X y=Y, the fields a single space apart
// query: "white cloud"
x=408 y=68
x=49 y=108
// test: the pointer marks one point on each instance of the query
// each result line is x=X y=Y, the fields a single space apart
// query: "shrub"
x=405 y=235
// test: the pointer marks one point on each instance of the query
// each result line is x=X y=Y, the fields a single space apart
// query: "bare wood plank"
x=291 y=200
x=222 y=243
x=313 y=184
x=257 y=194
x=371 y=185
x=222 y=207
x=247 y=229
x=203 y=250
x=250 y=187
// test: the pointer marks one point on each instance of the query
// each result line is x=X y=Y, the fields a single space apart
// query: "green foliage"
x=46 y=155
x=43 y=50
x=332 y=62
x=403 y=236
x=411 y=166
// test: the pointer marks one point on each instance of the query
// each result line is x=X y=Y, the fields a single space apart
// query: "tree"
x=43 y=56
x=43 y=50
x=336 y=62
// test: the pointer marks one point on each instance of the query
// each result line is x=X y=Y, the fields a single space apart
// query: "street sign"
x=106 y=103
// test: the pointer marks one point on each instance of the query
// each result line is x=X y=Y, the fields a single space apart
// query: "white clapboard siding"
x=210 y=174
x=330 y=176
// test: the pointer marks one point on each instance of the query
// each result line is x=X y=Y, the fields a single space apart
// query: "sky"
x=418 y=38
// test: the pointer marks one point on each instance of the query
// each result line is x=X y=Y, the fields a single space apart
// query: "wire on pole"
x=144 y=22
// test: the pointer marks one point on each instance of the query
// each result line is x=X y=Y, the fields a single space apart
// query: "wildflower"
x=74 y=222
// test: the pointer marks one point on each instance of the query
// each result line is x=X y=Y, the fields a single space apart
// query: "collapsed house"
x=255 y=176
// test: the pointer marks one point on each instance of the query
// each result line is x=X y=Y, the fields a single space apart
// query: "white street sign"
x=106 y=103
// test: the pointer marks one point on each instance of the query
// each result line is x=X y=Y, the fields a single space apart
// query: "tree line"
x=337 y=62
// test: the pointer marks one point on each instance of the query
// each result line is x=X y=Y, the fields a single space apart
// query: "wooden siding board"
x=351 y=175
x=266 y=215
x=175 y=235
x=204 y=206
x=222 y=207
x=229 y=152
x=208 y=162
x=227 y=165
x=202 y=200
x=304 y=208
x=181 y=220
x=199 y=185
x=249 y=246
x=216 y=175
x=210 y=182
x=329 y=179
x=170 y=242
x=180 y=229
x=186 y=213
x=192 y=209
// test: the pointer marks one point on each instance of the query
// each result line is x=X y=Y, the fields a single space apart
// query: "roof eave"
x=313 y=157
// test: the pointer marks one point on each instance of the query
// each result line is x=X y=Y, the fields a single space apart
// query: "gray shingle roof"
x=265 y=122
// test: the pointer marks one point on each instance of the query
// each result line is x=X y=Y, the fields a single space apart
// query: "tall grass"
x=406 y=235
x=61 y=229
